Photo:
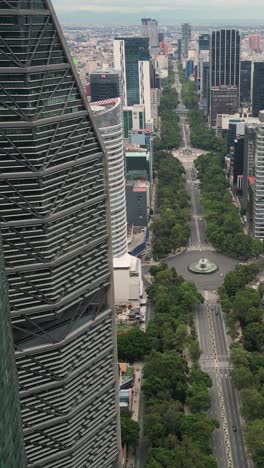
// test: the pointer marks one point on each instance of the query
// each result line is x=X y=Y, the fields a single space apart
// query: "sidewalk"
x=138 y=372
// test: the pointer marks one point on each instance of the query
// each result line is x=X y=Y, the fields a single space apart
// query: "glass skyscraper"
x=257 y=88
x=186 y=38
x=224 y=72
x=245 y=82
x=225 y=58
x=104 y=85
x=54 y=215
x=11 y=436
x=129 y=52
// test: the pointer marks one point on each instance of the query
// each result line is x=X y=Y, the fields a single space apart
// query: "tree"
x=162 y=419
x=129 y=429
x=132 y=345
x=240 y=357
x=254 y=435
x=253 y=337
x=198 y=398
x=165 y=372
x=245 y=304
x=252 y=404
x=242 y=377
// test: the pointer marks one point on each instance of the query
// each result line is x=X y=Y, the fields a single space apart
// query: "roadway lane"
x=219 y=328
x=233 y=419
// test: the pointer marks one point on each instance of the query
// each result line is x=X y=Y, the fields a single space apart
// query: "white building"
x=127 y=269
x=258 y=187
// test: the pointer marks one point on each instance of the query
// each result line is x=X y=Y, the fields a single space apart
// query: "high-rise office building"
x=104 y=85
x=186 y=38
x=132 y=60
x=257 y=212
x=127 y=269
x=108 y=117
x=224 y=72
x=254 y=42
x=204 y=75
x=129 y=52
x=179 y=49
x=150 y=30
x=161 y=37
x=223 y=100
x=11 y=436
x=245 y=82
x=204 y=42
x=54 y=211
x=225 y=58
x=249 y=158
x=257 y=91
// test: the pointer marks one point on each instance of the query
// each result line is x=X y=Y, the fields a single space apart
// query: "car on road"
x=234 y=428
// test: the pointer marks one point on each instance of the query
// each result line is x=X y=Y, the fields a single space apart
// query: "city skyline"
x=168 y=11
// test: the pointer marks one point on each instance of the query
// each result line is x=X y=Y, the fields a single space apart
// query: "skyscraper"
x=257 y=91
x=257 y=214
x=245 y=82
x=204 y=42
x=132 y=60
x=104 y=85
x=54 y=211
x=150 y=30
x=129 y=52
x=11 y=436
x=224 y=71
x=127 y=269
x=254 y=42
x=225 y=57
x=186 y=38
x=108 y=116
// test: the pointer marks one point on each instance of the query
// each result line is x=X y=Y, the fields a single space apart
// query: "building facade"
x=257 y=88
x=104 y=85
x=186 y=38
x=108 y=117
x=54 y=215
x=258 y=186
x=150 y=30
x=128 y=53
x=225 y=58
x=204 y=42
x=254 y=41
x=245 y=82
x=224 y=72
x=223 y=100
x=12 y=453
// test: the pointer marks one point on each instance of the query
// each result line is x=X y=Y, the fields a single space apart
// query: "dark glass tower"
x=104 y=85
x=257 y=88
x=224 y=72
x=245 y=82
x=186 y=38
x=225 y=58
x=11 y=436
x=136 y=49
x=54 y=207
x=204 y=42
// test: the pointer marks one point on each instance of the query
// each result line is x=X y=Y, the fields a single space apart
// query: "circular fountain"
x=203 y=267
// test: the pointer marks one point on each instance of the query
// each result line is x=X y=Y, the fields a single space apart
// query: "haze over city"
x=165 y=11
x=131 y=234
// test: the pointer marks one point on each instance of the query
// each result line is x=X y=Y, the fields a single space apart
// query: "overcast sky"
x=172 y=10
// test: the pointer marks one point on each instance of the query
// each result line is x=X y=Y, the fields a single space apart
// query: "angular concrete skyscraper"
x=54 y=214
